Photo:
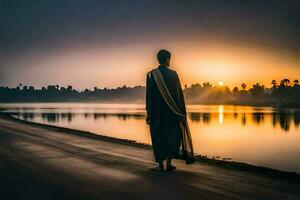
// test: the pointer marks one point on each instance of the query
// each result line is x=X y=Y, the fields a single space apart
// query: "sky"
x=114 y=43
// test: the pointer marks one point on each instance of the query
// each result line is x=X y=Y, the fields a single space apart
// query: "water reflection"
x=122 y=116
x=221 y=114
x=204 y=117
x=244 y=120
x=258 y=118
x=285 y=120
x=226 y=131
x=282 y=119
x=57 y=117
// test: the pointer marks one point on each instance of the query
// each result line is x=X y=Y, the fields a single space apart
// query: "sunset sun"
x=221 y=83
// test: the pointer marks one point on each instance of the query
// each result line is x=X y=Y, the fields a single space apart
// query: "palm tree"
x=235 y=90
x=274 y=83
x=70 y=88
x=244 y=86
x=31 y=88
x=296 y=82
x=206 y=84
x=286 y=81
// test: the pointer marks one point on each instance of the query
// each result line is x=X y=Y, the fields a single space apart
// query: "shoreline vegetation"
x=202 y=159
x=286 y=93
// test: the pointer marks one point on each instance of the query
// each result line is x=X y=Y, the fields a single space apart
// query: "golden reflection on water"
x=257 y=135
x=221 y=115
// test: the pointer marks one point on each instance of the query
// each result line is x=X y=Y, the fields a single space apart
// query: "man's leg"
x=161 y=164
x=169 y=161
x=170 y=167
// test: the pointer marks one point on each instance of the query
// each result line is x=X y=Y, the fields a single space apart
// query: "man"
x=166 y=115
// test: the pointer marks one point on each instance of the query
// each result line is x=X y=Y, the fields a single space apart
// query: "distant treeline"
x=284 y=93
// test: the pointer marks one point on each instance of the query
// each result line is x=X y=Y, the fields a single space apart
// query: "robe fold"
x=166 y=107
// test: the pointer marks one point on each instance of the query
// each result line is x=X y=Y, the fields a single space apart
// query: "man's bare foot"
x=157 y=168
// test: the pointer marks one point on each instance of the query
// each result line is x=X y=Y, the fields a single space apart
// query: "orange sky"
x=110 y=44
x=196 y=62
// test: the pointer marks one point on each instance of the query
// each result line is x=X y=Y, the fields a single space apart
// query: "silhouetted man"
x=166 y=115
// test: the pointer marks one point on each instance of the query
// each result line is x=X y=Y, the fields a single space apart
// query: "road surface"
x=40 y=162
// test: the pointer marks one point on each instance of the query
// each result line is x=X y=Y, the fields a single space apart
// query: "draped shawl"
x=187 y=150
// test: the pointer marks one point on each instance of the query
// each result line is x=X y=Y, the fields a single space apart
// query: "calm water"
x=261 y=136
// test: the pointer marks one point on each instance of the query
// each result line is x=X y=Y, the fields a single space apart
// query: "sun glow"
x=232 y=64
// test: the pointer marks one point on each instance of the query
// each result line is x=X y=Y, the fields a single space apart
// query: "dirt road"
x=39 y=162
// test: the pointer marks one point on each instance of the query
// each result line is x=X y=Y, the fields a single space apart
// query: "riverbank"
x=47 y=162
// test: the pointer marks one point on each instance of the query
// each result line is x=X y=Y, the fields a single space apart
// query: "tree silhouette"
x=235 y=91
x=70 y=88
x=285 y=82
x=31 y=88
x=282 y=95
x=274 y=83
x=257 y=90
x=207 y=84
x=244 y=86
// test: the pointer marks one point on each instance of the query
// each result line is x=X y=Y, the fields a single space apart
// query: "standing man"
x=166 y=115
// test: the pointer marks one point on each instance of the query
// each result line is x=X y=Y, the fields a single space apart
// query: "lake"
x=261 y=136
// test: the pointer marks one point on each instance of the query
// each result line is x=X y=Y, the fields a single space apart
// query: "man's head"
x=163 y=57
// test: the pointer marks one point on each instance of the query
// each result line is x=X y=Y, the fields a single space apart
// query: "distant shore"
x=284 y=94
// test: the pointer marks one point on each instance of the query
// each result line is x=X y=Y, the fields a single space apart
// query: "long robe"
x=165 y=127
